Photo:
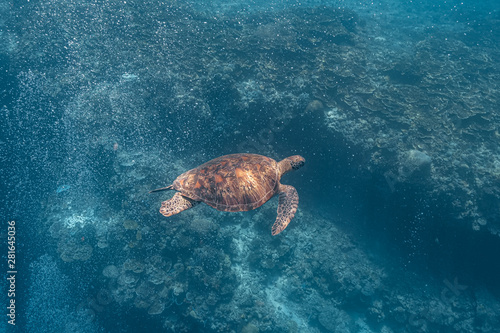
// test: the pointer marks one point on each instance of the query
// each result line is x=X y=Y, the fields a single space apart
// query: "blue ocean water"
x=394 y=105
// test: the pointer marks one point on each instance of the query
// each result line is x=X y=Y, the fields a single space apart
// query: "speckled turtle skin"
x=235 y=183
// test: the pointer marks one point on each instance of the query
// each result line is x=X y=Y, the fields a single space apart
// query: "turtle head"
x=291 y=163
x=296 y=161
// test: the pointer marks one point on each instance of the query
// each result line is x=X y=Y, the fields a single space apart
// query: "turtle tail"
x=170 y=187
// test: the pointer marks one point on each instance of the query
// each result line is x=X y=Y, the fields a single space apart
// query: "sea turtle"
x=236 y=183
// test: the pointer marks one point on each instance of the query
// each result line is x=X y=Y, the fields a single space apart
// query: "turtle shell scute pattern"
x=232 y=183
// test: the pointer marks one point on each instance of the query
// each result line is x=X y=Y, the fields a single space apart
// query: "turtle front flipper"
x=288 y=203
x=176 y=204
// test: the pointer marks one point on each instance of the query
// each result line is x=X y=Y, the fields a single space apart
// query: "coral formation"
x=143 y=93
x=305 y=58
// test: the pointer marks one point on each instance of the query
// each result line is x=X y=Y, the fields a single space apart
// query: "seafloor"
x=395 y=107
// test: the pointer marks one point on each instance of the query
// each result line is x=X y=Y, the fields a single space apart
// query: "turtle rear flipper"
x=176 y=204
x=288 y=203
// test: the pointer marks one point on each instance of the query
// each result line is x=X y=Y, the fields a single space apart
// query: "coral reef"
x=437 y=96
x=145 y=93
